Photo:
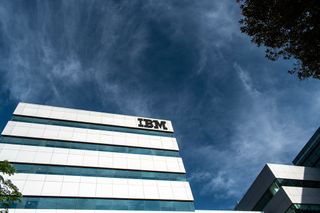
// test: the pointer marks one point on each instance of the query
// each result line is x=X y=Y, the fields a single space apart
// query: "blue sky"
x=232 y=109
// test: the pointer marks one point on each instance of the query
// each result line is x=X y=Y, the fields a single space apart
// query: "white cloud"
x=46 y=62
x=246 y=80
x=222 y=20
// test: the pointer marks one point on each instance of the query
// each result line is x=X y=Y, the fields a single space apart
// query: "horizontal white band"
x=88 y=158
x=80 y=186
x=118 y=211
x=61 y=113
x=53 y=132
x=103 y=211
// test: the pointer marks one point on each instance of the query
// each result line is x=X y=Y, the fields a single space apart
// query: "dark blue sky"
x=232 y=109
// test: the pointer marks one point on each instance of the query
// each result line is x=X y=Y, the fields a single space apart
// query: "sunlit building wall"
x=82 y=160
x=288 y=188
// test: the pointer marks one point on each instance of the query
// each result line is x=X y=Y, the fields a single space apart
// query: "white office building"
x=288 y=188
x=74 y=161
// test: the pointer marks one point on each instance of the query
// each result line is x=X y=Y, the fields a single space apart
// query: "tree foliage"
x=287 y=28
x=8 y=191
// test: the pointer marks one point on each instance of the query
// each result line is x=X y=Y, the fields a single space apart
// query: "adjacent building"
x=288 y=188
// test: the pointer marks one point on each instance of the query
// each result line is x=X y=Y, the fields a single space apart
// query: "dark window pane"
x=96 y=172
x=101 y=204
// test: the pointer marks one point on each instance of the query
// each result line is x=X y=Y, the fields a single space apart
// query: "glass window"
x=96 y=172
x=86 y=146
x=276 y=186
x=101 y=204
x=301 y=208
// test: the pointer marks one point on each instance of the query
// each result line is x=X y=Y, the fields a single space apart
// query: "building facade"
x=72 y=161
x=68 y=160
x=288 y=188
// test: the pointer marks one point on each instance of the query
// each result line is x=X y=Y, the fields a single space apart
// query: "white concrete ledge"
x=42 y=111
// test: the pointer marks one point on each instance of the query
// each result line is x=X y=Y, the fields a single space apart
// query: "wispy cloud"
x=246 y=80
x=260 y=132
x=52 y=51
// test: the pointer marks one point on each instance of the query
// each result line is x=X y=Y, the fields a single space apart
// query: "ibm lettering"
x=154 y=124
x=148 y=123
x=140 y=122
x=159 y=125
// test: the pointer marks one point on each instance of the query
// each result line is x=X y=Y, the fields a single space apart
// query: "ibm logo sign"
x=152 y=124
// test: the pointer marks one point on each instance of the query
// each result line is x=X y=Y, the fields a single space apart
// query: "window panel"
x=101 y=204
x=95 y=172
